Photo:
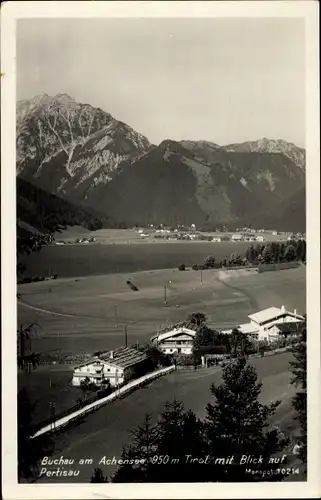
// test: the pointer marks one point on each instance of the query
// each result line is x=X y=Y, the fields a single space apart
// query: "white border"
x=86 y=9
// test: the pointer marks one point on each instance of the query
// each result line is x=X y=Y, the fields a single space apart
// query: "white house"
x=117 y=366
x=261 y=323
x=237 y=237
x=177 y=339
x=259 y=238
x=217 y=239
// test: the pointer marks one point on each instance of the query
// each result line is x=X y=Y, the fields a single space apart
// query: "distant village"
x=190 y=233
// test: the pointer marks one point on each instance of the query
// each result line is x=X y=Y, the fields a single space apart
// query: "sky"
x=222 y=80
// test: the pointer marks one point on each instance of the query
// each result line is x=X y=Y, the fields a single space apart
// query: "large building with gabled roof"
x=117 y=366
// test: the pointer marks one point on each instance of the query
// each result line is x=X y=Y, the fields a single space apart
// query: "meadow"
x=88 y=314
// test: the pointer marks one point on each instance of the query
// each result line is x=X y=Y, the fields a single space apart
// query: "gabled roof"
x=175 y=332
x=123 y=357
x=188 y=325
x=271 y=314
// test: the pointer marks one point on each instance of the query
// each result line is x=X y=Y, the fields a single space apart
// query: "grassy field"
x=107 y=430
x=90 y=314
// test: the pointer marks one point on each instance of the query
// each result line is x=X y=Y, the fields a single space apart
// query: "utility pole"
x=165 y=297
x=201 y=276
x=126 y=339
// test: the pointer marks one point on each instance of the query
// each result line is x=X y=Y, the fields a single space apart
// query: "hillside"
x=85 y=155
x=172 y=184
x=295 y=153
x=40 y=212
x=68 y=148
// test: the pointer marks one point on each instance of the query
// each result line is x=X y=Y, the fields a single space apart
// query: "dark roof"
x=123 y=357
x=291 y=327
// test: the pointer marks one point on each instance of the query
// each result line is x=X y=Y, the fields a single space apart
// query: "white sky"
x=222 y=80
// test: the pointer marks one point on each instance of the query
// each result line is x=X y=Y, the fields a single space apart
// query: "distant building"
x=274 y=233
x=117 y=366
x=237 y=237
x=260 y=238
x=217 y=239
x=176 y=339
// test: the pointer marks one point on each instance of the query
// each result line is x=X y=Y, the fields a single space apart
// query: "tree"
x=197 y=319
x=85 y=386
x=98 y=477
x=236 y=423
x=267 y=256
x=164 y=447
x=239 y=343
x=299 y=401
x=290 y=253
x=301 y=250
x=142 y=448
x=181 y=267
x=31 y=359
x=209 y=262
x=251 y=254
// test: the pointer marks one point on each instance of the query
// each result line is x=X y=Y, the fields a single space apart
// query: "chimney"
x=282 y=309
x=295 y=312
x=111 y=354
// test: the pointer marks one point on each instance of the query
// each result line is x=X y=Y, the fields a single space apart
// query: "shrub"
x=181 y=267
x=184 y=359
x=195 y=267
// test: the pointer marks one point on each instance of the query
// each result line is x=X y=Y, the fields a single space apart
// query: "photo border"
x=11 y=11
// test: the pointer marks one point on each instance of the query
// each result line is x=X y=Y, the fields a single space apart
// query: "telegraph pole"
x=201 y=276
x=126 y=338
x=165 y=297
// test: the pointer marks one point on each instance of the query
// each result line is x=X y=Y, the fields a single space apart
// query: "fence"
x=71 y=417
x=278 y=266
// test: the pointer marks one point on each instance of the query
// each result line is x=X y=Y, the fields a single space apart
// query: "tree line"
x=270 y=253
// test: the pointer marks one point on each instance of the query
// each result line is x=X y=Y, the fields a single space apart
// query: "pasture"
x=88 y=314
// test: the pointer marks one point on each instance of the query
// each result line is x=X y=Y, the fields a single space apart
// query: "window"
x=108 y=369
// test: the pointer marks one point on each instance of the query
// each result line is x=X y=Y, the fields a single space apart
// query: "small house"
x=176 y=339
x=237 y=237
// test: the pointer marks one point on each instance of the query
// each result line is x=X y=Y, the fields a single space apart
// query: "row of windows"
x=108 y=369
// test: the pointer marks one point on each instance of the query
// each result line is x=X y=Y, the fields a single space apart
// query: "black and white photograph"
x=162 y=249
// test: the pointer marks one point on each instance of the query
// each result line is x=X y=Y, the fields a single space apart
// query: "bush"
x=184 y=359
x=181 y=267
x=209 y=262
x=195 y=267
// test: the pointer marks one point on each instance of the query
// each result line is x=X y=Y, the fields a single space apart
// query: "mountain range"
x=86 y=156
